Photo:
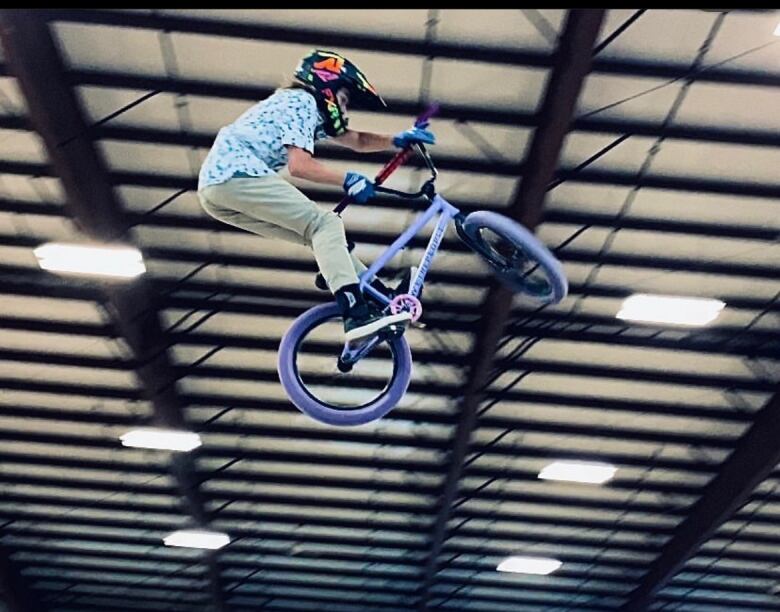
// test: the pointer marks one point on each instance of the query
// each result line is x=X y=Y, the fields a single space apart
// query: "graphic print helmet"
x=324 y=73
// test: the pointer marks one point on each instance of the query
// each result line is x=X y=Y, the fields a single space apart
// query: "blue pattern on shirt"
x=255 y=143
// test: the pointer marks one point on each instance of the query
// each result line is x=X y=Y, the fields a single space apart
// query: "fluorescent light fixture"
x=777 y=30
x=578 y=471
x=99 y=260
x=162 y=439
x=529 y=565
x=670 y=309
x=197 y=538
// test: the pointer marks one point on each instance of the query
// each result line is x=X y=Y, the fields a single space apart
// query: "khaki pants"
x=271 y=207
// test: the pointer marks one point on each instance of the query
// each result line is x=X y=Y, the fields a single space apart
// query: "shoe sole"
x=377 y=326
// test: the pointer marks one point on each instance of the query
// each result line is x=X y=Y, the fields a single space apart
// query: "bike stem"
x=398 y=159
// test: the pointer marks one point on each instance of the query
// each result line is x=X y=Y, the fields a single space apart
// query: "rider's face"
x=342 y=96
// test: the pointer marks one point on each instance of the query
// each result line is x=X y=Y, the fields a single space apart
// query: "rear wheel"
x=327 y=388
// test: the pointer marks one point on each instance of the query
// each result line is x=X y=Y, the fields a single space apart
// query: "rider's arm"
x=364 y=142
x=301 y=164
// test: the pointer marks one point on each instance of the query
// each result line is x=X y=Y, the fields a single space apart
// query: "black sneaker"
x=356 y=328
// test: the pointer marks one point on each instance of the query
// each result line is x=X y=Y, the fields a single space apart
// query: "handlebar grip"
x=432 y=110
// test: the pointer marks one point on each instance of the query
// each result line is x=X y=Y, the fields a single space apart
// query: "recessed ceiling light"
x=85 y=259
x=161 y=439
x=579 y=471
x=197 y=538
x=529 y=565
x=670 y=309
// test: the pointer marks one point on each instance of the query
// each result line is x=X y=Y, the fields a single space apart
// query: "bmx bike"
x=342 y=384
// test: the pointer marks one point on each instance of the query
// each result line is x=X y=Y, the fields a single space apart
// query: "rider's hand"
x=358 y=187
x=414 y=135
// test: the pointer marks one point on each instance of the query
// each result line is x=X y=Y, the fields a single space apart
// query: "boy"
x=238 y=183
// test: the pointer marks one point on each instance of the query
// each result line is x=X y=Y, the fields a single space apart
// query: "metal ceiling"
x=642 y=145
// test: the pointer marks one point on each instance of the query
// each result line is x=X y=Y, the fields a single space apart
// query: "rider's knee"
x=328 y=222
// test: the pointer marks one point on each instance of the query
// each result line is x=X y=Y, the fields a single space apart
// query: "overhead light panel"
x=529 y=565
x=197 y=538
x=96 y=260
x=777 y=30
x=670 y=309
x=579 y=471
x=161 y=439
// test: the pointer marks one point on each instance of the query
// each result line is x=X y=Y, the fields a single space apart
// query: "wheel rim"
x=315 y=365
x=515 y=263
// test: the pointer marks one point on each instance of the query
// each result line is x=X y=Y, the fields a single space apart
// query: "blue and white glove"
x=358 y=187
x=413 y=135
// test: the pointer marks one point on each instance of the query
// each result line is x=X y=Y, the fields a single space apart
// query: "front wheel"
x=320 y=385
x=518 y=258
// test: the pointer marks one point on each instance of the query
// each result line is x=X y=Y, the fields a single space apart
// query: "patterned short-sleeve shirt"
x=255 y=143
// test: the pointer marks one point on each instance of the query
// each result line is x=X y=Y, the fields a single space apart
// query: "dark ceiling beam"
x=222 y=488
x=559 y=216
x=55 y=112
x=142 y=532
x=769 y=191
x=434 y=388
x=31 y=280
x=81 y=560
x=78 y=602
x=760 y=600
x=58 y=596
x=73 y=567
x=572 y=64
x=544 y=398
x=695 y=466
x=731 y=187
x=149 y=509
x=398 y=45
x=569 y=255
x=718 y=342
x=727 y=572
x=237 y=474
x=526 y=365
x=20 y=280
x=310 y=298
x=37 y=533
x=71 y=487
x=323 y=568
x=756 y=455
x=148 y=527
x=323 y=581
x=451 y=111
x=69 y=499
x=167 y=136
x=671 y=264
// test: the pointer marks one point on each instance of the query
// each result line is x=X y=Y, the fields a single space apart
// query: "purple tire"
x=321 y=411
x=554 y=286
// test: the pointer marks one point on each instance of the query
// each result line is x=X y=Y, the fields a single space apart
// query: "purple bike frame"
x=446 y=212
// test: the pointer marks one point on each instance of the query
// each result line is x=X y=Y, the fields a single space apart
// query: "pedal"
x=418 y=325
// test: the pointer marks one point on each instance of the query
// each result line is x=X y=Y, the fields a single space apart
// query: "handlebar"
x=423 y=119
x=398 y=160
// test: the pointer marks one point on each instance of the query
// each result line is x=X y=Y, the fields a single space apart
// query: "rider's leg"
x=270 y=206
